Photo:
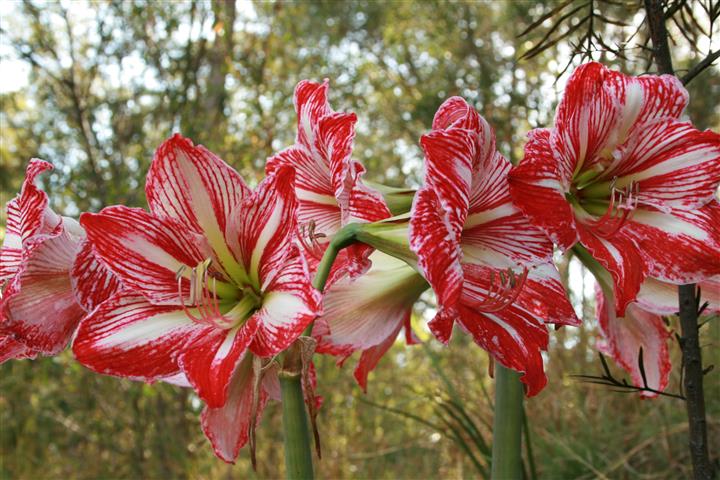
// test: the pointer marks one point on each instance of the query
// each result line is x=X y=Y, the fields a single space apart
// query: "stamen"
x=616 y=216
x=201 y=297
x=501 y=294
x=309 y=239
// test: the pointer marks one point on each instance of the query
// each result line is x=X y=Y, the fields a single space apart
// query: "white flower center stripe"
x=669 y=224
x=226 y=346
x=144 y=331
x=308 y=196
x=282 y=308
x=479 y=218
x=267 y=233
x=671 y=165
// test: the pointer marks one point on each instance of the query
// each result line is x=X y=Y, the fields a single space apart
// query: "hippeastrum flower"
x=331 y=194
x=48 y=276
x=642 y=329
x=211 y=273
x=329 y=189
x=622 y=174
x=491 y=270
x=368 y=313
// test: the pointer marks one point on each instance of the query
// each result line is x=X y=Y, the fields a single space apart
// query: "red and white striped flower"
x=328 y=181
x=358 y=314
x=624 y=175
x=48 y=276
x=491 y=270
x=211 y=274
x=642 y=327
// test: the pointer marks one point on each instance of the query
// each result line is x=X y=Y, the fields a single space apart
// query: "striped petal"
x=13 y=349
x=40 y=307
x=92 y=282
x=192 y=185
x=438 y=252
x=311 y=105
x=28 y=215
x=680 y=246
x=455 y=112
x=228 y=427
x=368 y=313
x=662 y=297
x=625 y=338
x=544 y=296
x=127 y=336
x=261 y=227
x=289 y=304
x=538 y=190
x=621 y=258
x=449 y=157
x=143 y=251
x=672 y=165
x=209 y=361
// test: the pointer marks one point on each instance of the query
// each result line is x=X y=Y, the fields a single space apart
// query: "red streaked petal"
x=449 y=158
x=12 y=349
x=624 y=337
x=228 y=427
x=290 y=303
x=513 y=339
x=442 y=323
x=41 y=308
x=209 y=361
x=671 y=163
x=262 y=227
x=455 y=112
x=127 y=336
x=544 y=295
x=145 y=252
x=680 y=246
x=92 y=282
x=437 y=250
x=364 y=312
x=310 y=105
x=191 y=184
x=333 y=144
x=538 y=190
x=621 y=258
x=370 y=357
x=662 y=297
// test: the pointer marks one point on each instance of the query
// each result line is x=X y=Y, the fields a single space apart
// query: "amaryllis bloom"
x=643 y=327
x=211 y=274
x=491 y=270
x=359 y=315
x=368 y=313
x=328 y=185
x=624 y=175
x=48 y=275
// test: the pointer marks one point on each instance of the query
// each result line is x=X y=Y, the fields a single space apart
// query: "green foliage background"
x=110 y=80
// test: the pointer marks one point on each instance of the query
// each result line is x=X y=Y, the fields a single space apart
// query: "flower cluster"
x=211 y=284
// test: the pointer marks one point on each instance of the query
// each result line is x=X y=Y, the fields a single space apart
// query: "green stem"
x=507 y=426
x=296 y=434
x=298 y=456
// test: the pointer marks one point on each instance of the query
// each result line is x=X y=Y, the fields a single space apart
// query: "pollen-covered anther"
x=505 y=286
x=310 y=240
x=621 y=207
x=202 y=295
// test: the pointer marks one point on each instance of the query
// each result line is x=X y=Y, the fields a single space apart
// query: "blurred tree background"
x=94 y=87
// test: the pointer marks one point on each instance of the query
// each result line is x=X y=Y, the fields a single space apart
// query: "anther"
x=621 y=207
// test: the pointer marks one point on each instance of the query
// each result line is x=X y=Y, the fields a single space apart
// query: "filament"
x=505 y=287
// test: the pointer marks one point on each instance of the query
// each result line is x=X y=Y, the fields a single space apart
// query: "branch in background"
x=697 y=69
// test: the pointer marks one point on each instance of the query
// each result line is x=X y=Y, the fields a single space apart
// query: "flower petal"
x=191 y=184
x=228 y=427
x=40 y=307
x=621 y=258
x=538 y=190
x=363 y=313
x=672 y=165
x=455 y=112
x=680 y=246
x=127 y=336
x=143 y=251
x=310 y=105
x=27 y=215
x=544 y=296
x=290 y=303
x=662 y=297
x=370 y=357
x=262 y=227
x=91 y=281
x=12 y=349
x=437 y=250
x=625 y=338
